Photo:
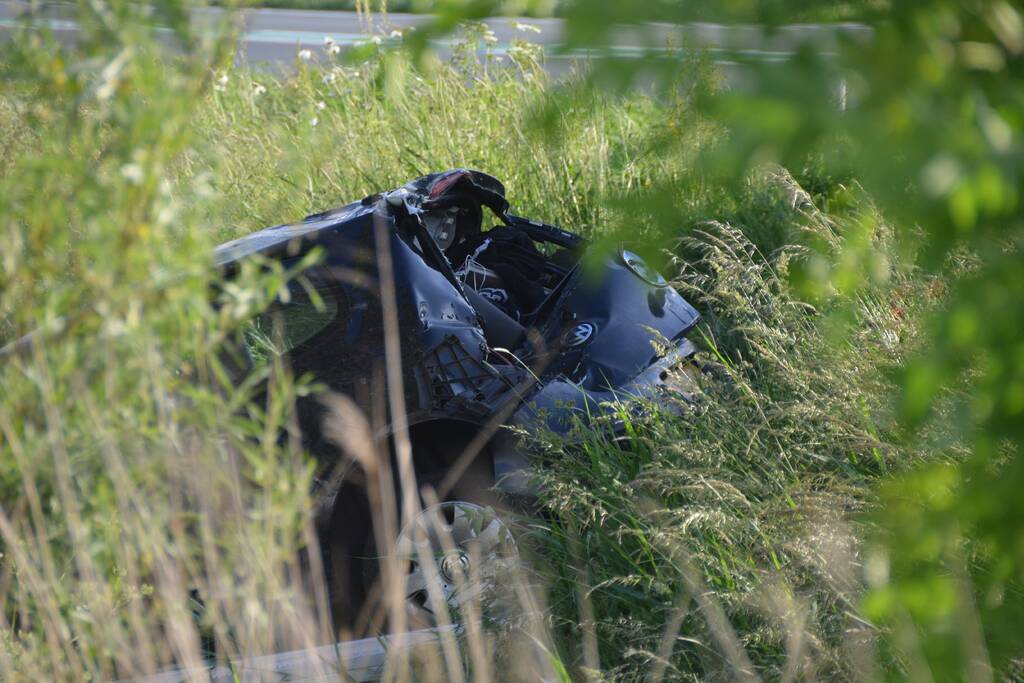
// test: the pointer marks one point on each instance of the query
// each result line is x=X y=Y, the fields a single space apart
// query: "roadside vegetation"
x=148 y=519
x=840 y=11
x=757 y=493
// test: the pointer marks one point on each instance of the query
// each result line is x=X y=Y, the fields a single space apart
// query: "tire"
x=349 y=547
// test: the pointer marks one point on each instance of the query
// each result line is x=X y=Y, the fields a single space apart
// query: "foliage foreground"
x=151 y=514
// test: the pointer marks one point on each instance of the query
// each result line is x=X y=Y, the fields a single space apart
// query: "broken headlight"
x=640 y=268
x=442 y=227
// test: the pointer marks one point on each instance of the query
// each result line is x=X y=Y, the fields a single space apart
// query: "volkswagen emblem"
x=579 y=335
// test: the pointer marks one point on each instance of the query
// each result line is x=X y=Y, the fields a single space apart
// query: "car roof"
x=272 y=241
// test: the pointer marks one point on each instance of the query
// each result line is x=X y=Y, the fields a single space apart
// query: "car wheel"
x=351 y=554
x=459 y=559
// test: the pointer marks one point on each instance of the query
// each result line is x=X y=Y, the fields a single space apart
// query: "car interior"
x=510 y=274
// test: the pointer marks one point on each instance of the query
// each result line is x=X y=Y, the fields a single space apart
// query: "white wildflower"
x=305 y=55
x=321 y=105
x=527 y=28
x=132 y=173
x=329 y=77
x=332 y=47
x=490 y=38
x=204 y=184
x=314 y=121
x=166 y=215
x=395 y=34
x=258 y=89
x=376 y=40
x=112 y=327
x=221 y=82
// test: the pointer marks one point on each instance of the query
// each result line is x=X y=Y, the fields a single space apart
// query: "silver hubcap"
x=455 y=553
x=454 y=566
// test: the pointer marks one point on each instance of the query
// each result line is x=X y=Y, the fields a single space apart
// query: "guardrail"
x=355 y=660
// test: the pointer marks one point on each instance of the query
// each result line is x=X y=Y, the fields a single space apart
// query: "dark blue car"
x=490 y=328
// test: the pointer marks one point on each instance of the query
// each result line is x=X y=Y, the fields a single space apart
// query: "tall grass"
x=151 y=515
x=275 y=149
x=747 y=504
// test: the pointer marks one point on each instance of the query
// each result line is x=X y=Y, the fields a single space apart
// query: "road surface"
x=273 y=37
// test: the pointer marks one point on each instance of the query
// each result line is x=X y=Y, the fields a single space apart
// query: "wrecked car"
x=511 y=326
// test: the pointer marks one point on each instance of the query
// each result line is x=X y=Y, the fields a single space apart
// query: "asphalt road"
x=273 y=37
